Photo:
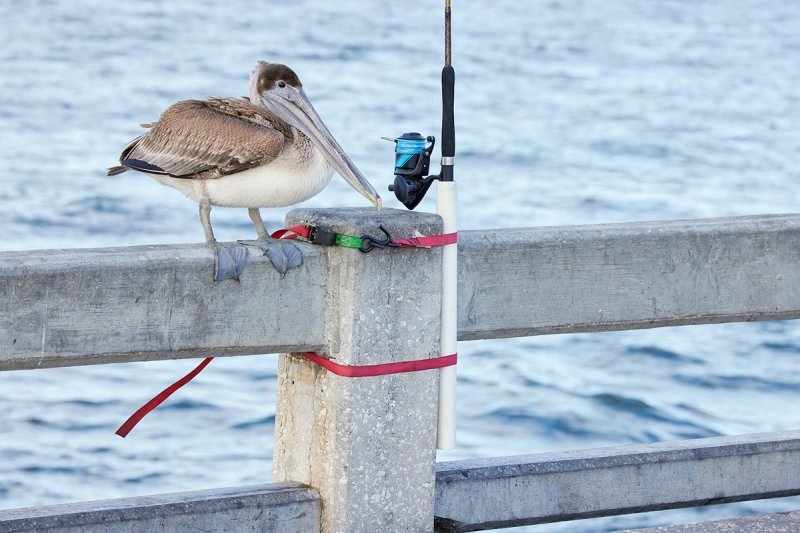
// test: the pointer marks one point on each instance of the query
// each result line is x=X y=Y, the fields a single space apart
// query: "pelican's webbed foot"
x=284 y=255
x=230 y=261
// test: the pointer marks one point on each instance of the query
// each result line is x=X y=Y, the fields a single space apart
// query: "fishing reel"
x=412 y=163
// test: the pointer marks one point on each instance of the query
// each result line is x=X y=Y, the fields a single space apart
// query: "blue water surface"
x=567 y=112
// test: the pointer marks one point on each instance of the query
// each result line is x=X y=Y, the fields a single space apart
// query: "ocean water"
x=567 y=112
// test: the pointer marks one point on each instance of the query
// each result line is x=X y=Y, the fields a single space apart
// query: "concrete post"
x=367 y=444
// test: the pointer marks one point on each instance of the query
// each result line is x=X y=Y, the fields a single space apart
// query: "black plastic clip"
x=323 y=236
x=369 y=242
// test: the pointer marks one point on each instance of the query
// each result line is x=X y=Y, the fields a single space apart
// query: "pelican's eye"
x=281 y=84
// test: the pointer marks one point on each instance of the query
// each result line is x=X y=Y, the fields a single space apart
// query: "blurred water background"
x=567 y=112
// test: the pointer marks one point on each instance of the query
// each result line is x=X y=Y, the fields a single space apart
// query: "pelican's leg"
x=283 y=254
x=255 y=216
x=205 y=219
x=230 y=262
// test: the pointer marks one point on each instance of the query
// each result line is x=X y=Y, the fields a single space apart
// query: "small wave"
x=96 y=204
x=621 y=403
x=736 y=383
x=633 y=406
x=642 y=409
x=263 y=377
x=140 y=479
x=660 y=353
x=548 y=426
x=643 y=150
x=98 y=450
x=188 y=405
x=781 y=347
x=695 y=411
x=13 y=454
x=698 y=433
x=64 y=426
x=266 y=421
x=49 y=470
x=527 y=382
x=89 y=403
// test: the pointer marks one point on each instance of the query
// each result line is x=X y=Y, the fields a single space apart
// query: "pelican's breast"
x=296 y=175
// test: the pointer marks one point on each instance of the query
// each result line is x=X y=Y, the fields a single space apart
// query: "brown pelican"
x=268 y=150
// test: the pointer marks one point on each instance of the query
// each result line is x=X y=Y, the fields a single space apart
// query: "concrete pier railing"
x=358 y=454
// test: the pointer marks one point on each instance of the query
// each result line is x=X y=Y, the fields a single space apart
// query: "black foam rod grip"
x=448 y=120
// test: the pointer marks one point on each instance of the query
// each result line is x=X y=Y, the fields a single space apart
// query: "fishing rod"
x=411 y=182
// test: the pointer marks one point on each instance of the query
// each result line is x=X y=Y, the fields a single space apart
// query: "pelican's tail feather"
x=113 y=171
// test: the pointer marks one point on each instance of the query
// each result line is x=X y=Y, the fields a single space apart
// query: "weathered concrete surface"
x=482 y=494
x=73 y=307
x=276 y=507
x=367 y=444
x=769 y=523
x=70 y=307
x=534 y=281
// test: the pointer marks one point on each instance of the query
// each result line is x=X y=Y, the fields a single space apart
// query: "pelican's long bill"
x=292 y=106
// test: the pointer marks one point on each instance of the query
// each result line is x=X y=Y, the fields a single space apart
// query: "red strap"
x=432 y=240
x=420 y=242
x=381 y=370
x=341 y=370
x=299 y=231
x=129 y=424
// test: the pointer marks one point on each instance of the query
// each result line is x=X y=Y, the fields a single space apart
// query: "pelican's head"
x=279 y=89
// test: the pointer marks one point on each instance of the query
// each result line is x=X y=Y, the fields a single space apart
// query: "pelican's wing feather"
x=193 y=136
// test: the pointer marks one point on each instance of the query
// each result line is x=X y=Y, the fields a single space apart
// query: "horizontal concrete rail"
x=71 y=307
x=275 y=507
x=481 y=494
x=534 y=281
x=476 y=495
x=767 y=523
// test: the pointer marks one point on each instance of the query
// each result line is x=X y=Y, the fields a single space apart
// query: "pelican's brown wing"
x=223 y=134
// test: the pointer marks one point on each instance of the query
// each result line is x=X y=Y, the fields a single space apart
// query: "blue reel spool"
x=412 y=163
x=408 y=145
